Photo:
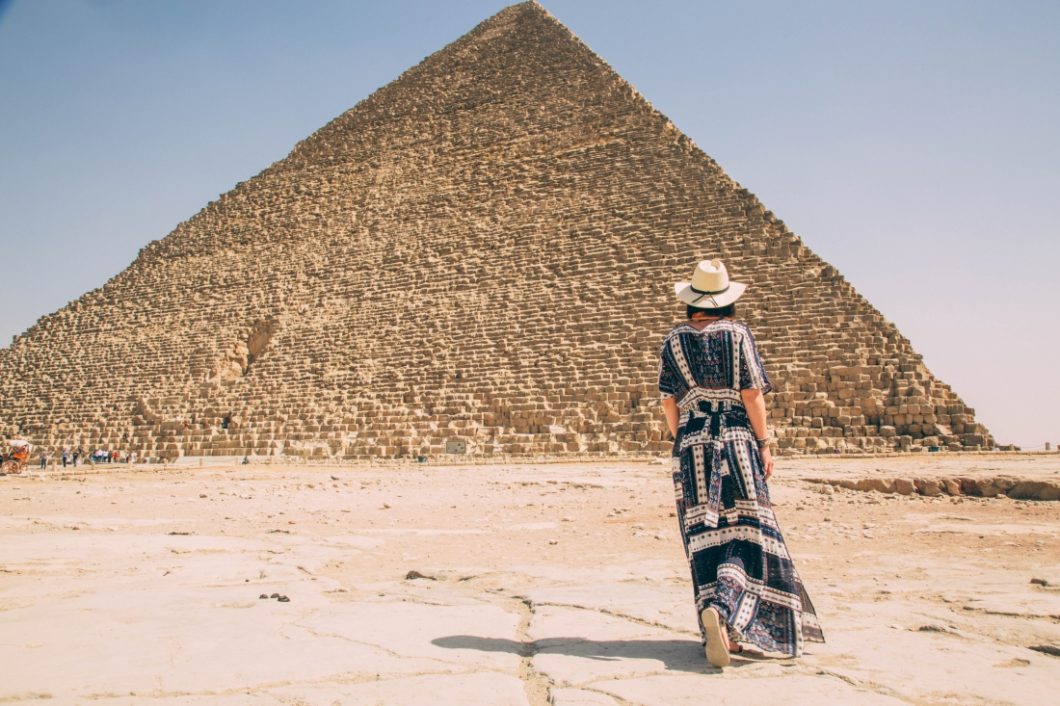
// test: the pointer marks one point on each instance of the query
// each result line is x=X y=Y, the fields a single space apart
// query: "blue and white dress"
x=735 y=550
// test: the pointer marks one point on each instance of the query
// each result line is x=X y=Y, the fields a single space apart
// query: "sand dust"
x=507 y=584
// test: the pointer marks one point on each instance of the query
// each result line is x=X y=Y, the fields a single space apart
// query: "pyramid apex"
x=526 y=9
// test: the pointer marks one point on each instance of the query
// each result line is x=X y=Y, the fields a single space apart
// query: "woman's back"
x=712 y=362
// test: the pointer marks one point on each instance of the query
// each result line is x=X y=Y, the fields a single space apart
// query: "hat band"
x=706 y=292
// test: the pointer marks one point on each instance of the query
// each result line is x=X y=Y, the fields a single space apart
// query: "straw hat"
x=710 y=287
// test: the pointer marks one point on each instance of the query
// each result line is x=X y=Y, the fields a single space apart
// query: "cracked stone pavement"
x=505 y=584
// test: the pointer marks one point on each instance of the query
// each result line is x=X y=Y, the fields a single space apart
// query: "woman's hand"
x=767 y=461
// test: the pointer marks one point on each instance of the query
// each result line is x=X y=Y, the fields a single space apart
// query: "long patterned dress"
x=735 y=550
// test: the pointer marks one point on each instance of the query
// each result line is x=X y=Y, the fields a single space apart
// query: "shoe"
x=716 y=649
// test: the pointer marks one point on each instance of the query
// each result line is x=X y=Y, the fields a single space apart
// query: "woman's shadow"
x=677 y=655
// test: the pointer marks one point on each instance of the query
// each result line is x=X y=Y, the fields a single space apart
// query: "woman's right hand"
x=767 y=461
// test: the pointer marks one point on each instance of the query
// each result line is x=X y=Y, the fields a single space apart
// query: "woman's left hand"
x=767 y=461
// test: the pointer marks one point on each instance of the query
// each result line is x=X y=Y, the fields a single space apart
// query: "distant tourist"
x=713 y=384
x=43 y=460
x=66 y=457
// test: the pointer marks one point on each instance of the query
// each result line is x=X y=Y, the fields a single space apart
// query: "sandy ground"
x=561 y=582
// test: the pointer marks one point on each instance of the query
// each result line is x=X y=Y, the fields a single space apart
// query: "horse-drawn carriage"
x=14 y=455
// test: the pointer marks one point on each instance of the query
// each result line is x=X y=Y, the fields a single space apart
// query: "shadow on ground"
x=677 y=655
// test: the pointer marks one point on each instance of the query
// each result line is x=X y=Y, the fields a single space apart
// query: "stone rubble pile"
x=1013 y=487
x=477 y=259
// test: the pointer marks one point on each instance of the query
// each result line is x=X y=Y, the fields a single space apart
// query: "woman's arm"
x=755 y=404
x=669 y=405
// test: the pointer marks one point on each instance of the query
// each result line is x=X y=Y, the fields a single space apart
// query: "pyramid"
x=475 y=260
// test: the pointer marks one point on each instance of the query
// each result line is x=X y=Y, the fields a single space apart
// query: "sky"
x=913 y=144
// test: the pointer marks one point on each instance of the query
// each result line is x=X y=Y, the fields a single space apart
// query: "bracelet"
x=762 y=443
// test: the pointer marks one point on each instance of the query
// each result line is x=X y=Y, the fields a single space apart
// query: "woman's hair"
x=729 y=310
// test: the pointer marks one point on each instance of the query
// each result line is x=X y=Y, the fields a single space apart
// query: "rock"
x=1003 y=483
x=985 y=488
x=928 y=487
x=1034 y=490
x=1051 y=650
x=412 y=575
x=880 y=485
x=904 y=486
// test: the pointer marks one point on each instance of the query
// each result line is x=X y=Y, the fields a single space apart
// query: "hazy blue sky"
x=914 y=144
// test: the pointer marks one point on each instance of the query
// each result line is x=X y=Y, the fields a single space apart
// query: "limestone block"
x=904 y=486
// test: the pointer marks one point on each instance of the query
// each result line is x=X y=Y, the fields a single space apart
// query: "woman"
x=713 y=385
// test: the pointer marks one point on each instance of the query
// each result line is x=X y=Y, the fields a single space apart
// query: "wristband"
x=762 y=443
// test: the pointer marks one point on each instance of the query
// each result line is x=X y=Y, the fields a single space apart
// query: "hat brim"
x=684 y=292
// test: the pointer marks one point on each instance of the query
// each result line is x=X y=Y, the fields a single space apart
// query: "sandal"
x=716 y=649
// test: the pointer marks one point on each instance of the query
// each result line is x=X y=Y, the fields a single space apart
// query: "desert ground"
x=521 y=583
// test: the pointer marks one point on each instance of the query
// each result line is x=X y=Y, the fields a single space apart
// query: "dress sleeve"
x=752 y=372
x=669 y=380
